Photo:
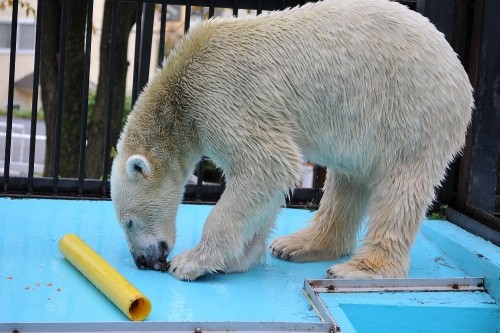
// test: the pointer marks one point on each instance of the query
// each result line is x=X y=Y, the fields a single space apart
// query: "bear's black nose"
x=152 y=257
x=141 y=262
x=163 y=252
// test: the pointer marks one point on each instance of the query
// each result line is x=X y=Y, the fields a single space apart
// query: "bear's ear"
x=138 y=167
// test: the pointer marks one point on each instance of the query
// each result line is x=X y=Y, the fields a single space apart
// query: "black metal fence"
x=473 y=185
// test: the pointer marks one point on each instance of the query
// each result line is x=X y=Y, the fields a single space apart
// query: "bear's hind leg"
x=397 y=206
x=333 y=230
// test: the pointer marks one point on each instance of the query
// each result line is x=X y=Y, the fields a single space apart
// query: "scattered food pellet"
x=58 y=289
x=26 y=288
x=49 y=284
x=9 y=277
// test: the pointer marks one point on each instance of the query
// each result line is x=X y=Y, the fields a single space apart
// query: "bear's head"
x=146 y=194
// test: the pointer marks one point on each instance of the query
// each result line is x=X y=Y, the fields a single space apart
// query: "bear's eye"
x=129 y=224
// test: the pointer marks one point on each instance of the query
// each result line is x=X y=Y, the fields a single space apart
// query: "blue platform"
x=41 y=292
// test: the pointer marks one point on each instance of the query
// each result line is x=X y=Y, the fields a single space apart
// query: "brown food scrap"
x=58 y=289
x=26 y=288
x=9 y=277
x=49 y=284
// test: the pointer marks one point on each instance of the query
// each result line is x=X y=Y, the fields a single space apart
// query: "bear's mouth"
x=161 y=266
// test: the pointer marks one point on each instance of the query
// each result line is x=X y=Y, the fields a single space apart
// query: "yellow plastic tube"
x=112 y=284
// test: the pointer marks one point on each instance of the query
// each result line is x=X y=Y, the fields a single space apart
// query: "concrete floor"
x=42 y=292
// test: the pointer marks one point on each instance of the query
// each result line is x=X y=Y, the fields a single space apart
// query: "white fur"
x=367 y=88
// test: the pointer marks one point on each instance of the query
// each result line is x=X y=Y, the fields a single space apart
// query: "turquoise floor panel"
x=37 y=285
x=443 y=312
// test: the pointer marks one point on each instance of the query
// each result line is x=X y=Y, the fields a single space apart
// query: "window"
x=25 y=36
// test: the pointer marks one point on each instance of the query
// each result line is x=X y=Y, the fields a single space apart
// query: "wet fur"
x=367 y=88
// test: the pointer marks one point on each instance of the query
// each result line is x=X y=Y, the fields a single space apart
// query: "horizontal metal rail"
x=191 y=327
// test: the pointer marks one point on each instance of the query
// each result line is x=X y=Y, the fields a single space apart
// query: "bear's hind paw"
x=299 y=248
x=358 y=269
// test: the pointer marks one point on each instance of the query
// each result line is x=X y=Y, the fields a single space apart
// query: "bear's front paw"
x=188 y=266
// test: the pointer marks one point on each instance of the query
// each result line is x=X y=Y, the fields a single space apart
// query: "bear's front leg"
x=234 y=235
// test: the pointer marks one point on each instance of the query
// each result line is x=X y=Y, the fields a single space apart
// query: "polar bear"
x=367 y=88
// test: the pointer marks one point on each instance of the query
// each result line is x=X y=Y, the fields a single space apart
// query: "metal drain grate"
x=313 y=289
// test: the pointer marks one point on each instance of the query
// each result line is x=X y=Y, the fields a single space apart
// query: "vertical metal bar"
x=222 y=184
x=199 y=183
x=259 y=7
x=420 y=6
x=60 y=94
x=85 y=97
x=316 y=184
x=34 y=101
x=10 y=98
x=161 y=48
x=211 y=9
x=137 y=58
x=146 y=42
x=236 y=5
x=109 y=111
x=187 y=16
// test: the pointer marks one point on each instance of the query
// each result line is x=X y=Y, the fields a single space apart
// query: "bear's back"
x=330 y=68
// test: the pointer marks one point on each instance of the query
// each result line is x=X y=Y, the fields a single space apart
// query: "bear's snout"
x=153 y=257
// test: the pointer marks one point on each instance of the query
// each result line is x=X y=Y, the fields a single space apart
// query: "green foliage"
x=439 y=215
x=311 y=206
x=127 y=107
x=24 y=114
x=113 y=152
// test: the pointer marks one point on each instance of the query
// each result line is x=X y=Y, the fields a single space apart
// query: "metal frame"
x=479 y=177
x=314 y=289
x=473 y=186
x=196 y=327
